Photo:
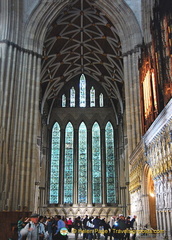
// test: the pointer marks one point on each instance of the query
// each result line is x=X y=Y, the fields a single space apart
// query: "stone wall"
x=153 y=159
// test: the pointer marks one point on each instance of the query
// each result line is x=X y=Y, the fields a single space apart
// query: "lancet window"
x=96 y=164
x=68 y=164
x=64 y=169
x=55 y=160
x=110 y=163
x=82 y=164
x=72 y=97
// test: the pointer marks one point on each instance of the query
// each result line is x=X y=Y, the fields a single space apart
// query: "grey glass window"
x=63 y=100
x=55 y=156
x=82 y=95
x=82 y=164
x=101 y=101
x=96 y=164
x=92 y=97
x=68 y=165
x=110 y=164
x=72 y=97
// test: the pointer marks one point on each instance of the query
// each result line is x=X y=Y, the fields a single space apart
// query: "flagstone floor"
x=71 y=236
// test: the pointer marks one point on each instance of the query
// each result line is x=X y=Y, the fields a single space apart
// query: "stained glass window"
x=68 y=166
x=72 y=97
x=110 y=164
x=63 y=100
x=82 y=96
x=101 y=103
x=92 y=97
x=55 y=156
x=96 y=164
x=82 y=164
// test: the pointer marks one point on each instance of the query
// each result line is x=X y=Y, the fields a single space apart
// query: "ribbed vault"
x=82 y=40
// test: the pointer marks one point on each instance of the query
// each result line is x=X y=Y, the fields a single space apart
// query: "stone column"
x=61 y=174
x=170 y=217
x=168 y=223
x=89 y=144
x=75 y=190
x=19 y=126
x=146 y=209
x=103 y=157
x=164 y=219
x=131 y=78
x=123 y=199
x=158 y=220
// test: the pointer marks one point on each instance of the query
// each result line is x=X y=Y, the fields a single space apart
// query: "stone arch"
x=144 y=179
x=152 y=201
x=149 y=191
x=118 y=11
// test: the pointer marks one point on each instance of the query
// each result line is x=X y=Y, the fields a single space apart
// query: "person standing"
x=33 y=230
x=111 y=224
x=20 y=225
x=122 y=227
x=106 y=228
x=134 y=226
x=90 y=228
x=69 y=224
x=96 y=223
x=60 y=224
x=115 y=229
x=77 y=226
x=49 y=228
x=85 y=234
x=128 y=225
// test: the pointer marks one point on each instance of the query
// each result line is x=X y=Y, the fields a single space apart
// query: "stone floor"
x=71 y=236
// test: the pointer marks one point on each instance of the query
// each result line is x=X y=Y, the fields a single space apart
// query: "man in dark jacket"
x=96 y=223
x=128 y=225
x=77 y=226
x=122 y=227
x=85 y=234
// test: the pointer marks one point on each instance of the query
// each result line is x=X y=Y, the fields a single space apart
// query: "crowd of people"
x=57 y=228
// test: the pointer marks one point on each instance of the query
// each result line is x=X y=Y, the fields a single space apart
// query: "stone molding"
x=20 y=48
x=77 y=210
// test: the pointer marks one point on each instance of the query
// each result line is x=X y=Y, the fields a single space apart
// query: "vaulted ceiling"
x=82 y=40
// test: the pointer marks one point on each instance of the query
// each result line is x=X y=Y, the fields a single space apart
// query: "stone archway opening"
x=152 y=200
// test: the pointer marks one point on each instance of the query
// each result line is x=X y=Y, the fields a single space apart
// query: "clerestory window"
x=82 y=95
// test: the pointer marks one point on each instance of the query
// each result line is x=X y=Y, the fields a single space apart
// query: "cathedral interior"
x=86 y=110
